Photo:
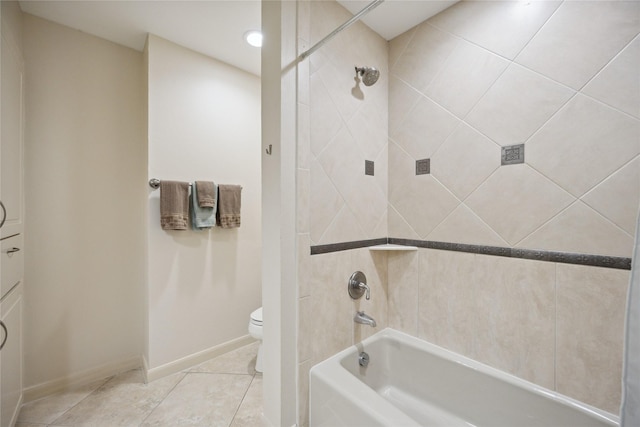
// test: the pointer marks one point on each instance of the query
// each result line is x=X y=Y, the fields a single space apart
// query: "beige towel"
x=174 y=205
x=229 y=201
x=206 y=191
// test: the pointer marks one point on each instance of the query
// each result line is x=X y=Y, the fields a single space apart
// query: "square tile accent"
x=368 y=167
x=423 y=167
x=513 y=154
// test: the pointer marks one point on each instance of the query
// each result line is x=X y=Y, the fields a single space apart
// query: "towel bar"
x=155 y=183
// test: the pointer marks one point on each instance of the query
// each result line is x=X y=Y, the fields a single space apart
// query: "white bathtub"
x=410 y=382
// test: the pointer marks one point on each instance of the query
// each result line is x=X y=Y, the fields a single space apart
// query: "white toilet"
x=255 y=330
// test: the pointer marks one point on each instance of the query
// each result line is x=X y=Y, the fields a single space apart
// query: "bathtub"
x=409 y=382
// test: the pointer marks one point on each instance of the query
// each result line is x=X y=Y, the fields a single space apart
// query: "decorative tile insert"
x=423 y=167
x=368 y=167
x=513 y=154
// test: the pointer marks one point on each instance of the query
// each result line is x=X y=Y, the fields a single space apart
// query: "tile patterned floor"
x=223 y=392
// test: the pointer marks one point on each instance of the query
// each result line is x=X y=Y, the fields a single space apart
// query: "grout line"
x=109 y=379
x=242 y=400
x=184 y=375
x=544 y=24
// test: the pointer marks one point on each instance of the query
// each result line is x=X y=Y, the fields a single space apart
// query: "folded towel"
x=207 y=194
x=229 y=201
x=174 y=205
x=201 y=218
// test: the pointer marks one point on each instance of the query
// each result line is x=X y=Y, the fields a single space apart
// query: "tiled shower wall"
x=560 y=78
x=342 y=123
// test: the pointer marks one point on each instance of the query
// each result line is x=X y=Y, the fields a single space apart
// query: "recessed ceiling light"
x=254 y=38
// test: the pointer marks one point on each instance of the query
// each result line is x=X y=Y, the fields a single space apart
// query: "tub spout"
x=364 y=319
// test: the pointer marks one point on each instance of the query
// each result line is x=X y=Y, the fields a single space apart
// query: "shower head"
x=369 y=75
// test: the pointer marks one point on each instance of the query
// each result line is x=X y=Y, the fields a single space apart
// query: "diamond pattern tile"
x=618 y=84
x=618 y=197
x=583 y=144
x=509 y=115
x=516 y=200
x=424 y=129
x=580 y=39
x=420 y=199
x=424 y=56
x=324 y=120
x=580 y=229
x=503 y=27
x=463 y=226
x=324 y=204
x=465 y=160
x=466 y=76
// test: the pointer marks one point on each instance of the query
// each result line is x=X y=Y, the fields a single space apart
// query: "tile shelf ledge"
x=392 y=247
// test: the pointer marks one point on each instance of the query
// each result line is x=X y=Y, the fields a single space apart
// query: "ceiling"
x=212 y=27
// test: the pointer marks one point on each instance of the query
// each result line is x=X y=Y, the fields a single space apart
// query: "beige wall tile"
x=463 y=226
x=374 y=265
x=424 y=56
x=304 y=264
x=304 y=135
x=402 y=99
x=303 y=189
x=421 y=200
x=588 y=141
x=580 y=229
x=617 y=197
x=447 y=300
x=503 y=27
x=330 y=305
x=404 y=274
x=580 y=38
x=325 y=202
x=516 y=317
x=399 y=227
x=510 y=115
x=324 y=120
x=590 y=328
x=469 y=71
x=465 y=160
x=345 y=227
x=399 y=44
x=424 y=129
x=367 y=201
x=516 y=200
x=618 y=84
x=305 y=328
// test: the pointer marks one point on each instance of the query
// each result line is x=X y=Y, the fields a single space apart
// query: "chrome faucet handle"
x=367 y=291
x=357 y=286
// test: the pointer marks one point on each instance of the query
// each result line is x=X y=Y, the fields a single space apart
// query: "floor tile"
x=48 y=409
x=223 y=391
x=239 y=361
x=250 y=413
x=123 y=401
x=201 y=399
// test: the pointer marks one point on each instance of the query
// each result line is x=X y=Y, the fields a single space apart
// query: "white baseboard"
x=195 y=359
x=80 y=378
x=109 y=369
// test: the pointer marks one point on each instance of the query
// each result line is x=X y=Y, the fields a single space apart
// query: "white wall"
x=204 y=124
x=85 y=195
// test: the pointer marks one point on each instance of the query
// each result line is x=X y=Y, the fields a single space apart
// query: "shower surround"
x=457 y=89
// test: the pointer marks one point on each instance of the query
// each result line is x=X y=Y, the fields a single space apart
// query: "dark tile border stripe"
x=619 y=263
x=337 y=247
